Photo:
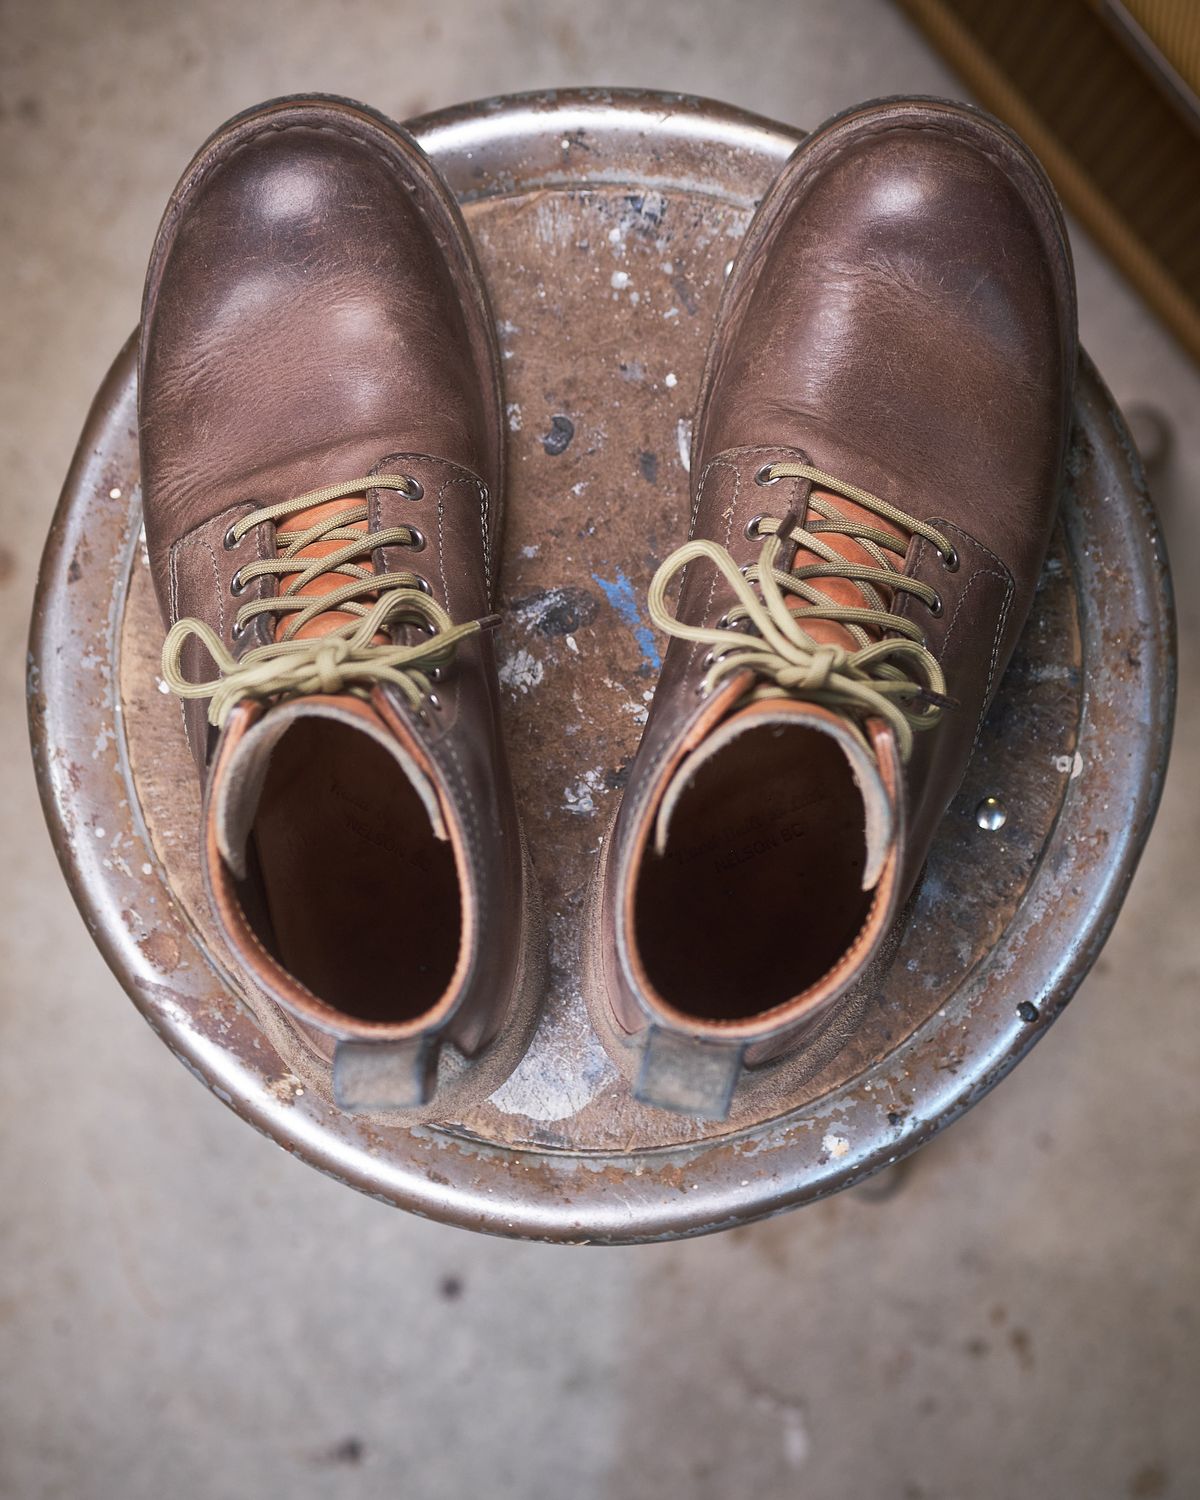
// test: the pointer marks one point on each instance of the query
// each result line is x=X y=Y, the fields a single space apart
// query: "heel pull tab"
x=385 y=1075
x=688 y=1075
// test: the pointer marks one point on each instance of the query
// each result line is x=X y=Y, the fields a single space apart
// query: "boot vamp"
x=909 y=329
x=301 y=322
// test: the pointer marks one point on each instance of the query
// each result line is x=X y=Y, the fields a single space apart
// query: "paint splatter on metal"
x=619 y=593
x=558 y=439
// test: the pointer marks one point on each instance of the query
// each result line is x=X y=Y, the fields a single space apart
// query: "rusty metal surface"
x=604 y=223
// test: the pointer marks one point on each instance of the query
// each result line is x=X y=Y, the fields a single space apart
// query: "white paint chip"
x=521 y=672
x=671 y=380
x=580 y=798
x=683 y=439
x=836 y=1145
x=549 y=1084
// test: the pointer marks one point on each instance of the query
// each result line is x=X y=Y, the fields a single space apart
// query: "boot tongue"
x=842 y=592
x=240 y=774
x=323 y=583
x=879 y=823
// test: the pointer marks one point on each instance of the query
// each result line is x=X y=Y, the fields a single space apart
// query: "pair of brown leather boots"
x=878 y=449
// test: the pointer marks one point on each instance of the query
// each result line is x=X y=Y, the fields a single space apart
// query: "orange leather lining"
x=775 y=922
x=287 y=988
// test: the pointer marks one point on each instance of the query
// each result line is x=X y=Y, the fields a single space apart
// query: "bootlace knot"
x=348 y=658
x=891 y=675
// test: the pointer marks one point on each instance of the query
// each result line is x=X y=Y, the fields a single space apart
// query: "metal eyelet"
x=752 y=527
x=434 y=701
x=936 y=607
x=229 y=539
x=424 y=586
x=237 y=586
x=414 y=488
x=950 y=560
x=418 y=539
x=434 y=674
x=237 y=630
x=764 y=475
x=744 y=570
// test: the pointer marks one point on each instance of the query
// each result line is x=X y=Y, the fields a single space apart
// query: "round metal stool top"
x=604 y=223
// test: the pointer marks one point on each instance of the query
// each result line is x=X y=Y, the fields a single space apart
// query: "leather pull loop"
x=689 y=1075
x=385 y=1075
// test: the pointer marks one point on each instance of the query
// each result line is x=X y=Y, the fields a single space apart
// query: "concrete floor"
x=185 y=1310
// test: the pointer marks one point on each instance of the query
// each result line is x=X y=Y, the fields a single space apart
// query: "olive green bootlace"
x=347 y=658
x=896 y=678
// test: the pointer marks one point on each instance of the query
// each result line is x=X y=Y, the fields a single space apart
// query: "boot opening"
x=349 y=887
x=758 y=892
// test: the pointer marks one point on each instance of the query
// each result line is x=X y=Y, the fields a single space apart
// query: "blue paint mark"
x=621 y=596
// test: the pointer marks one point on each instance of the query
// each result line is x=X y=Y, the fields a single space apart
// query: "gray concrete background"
x=186 y=1311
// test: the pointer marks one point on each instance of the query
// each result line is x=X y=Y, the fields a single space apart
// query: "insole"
x=758 y=892
x=362 y=898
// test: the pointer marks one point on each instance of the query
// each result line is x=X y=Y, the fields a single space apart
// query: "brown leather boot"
x=322 y=470
x=877 y=459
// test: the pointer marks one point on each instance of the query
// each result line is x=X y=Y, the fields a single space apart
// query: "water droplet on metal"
x=990 y=814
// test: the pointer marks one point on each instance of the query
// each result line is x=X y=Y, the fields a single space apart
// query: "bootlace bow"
x=892 y=675
x=350 y=657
